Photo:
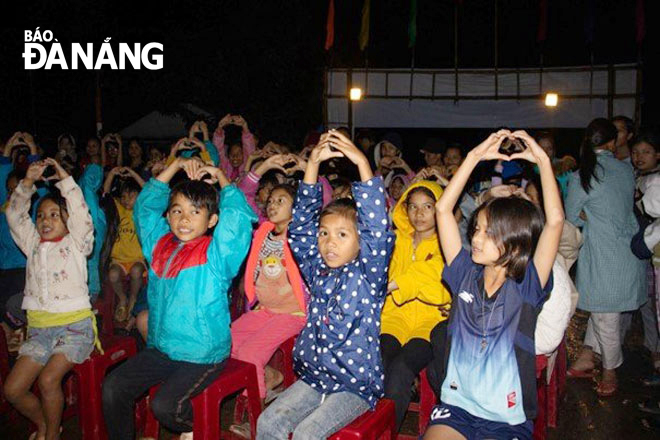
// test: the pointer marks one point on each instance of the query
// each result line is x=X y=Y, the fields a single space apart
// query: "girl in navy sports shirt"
x=489 y=390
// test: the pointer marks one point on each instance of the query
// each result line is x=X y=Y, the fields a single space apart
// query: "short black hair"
x=649 y=137
x=515 y=225
x=129 y=186
x=630 y=125
x=420 y=189
x=200 y=194
x=344 y=207
x=56 y=198
x=289 y=189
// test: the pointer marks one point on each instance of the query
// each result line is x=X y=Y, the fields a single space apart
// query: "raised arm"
x=21 y=227
x=233 y=233
x=546 y=249
x=448 y=232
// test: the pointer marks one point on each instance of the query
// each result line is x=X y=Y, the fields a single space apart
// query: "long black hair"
x=599 y=132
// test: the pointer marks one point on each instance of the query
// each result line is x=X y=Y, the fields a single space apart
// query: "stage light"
x=551 y=99
x=356 y=94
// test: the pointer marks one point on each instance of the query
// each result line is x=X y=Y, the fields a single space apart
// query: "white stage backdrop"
x=519 y=103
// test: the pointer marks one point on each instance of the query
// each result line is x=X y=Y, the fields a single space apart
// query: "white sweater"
x=555 y=314
x=56 y=272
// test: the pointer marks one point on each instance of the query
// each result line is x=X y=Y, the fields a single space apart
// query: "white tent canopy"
x=159 y=126
x=478 y=98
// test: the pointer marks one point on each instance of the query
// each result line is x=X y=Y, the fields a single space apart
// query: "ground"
x=582 y=415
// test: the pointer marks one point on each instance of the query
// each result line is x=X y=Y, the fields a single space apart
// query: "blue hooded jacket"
x=188 y=281
x=90 y=182
x=339 y=347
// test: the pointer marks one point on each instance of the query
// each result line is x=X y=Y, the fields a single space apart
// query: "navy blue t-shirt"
x=491 y=370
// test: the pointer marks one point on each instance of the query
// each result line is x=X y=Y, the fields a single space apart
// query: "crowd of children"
x=379 y=271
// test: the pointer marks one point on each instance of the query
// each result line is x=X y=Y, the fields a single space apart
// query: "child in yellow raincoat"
x=412 y=317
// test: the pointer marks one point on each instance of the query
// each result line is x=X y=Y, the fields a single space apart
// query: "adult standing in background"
x=610 y=278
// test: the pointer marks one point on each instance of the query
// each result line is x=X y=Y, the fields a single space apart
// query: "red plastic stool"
x=235 y=376
x=423 y=408
x=557 y=384
x=283 y=361
x=283 y=358
x=372 y=425
x=90 y=376
x=540 y=424
x=104 y=307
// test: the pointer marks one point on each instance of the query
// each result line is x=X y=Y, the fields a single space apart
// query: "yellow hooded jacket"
x=413 y=310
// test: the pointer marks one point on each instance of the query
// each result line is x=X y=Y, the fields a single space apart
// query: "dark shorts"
x=476 y=428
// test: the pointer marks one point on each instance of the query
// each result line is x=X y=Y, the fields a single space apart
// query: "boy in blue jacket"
x=343 y=253
x=190 y=270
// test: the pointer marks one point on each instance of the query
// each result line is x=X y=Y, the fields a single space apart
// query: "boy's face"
x=622 y=134
x=51 y=222
x=644 y=157
x=338 y=240
x=127 y=199
x=236 y=155
x=187 y=221
x=453 y=157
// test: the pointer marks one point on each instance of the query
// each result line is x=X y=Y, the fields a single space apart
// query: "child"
x=416 y=297
x=343 y=255
x=190 y=270
x=61 y=325
x=645 y=154
x=274 y=284
x=452 y=159
x=111 y=151
x=232 y=158
x=490 y=386
x=121 y=241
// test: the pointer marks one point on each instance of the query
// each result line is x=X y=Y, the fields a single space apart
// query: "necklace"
x=484 y=341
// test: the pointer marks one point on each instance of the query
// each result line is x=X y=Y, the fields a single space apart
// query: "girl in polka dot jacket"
x=343 y=253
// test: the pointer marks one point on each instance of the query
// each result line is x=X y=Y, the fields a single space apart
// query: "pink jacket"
x=249 y=146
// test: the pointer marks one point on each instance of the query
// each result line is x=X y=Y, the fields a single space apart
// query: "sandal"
x=606 y=389
x=580 y=374
x=242 y=430
x=651 y=406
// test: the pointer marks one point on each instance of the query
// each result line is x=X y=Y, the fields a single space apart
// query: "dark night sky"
x=265 y=59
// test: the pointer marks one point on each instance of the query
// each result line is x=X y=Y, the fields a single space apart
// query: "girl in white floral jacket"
x=61 y=327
